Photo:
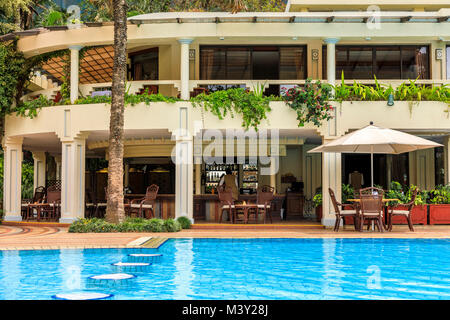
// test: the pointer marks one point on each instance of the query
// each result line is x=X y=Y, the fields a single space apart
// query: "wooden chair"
x=226 y=202
x=342 y=214
x=90 y=204
x=371 y=206
x=264 y=197
x=51 y=209
x=38 y=197
x=404 y=212
x=146 y=204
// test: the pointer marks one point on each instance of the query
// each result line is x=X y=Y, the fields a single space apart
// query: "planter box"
x=418 y=215
x=319 y=213
x=439 y=213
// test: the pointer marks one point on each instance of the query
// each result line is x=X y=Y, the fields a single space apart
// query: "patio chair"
x=146 y=204
x=371 y=206
x=38 y=197
x=404 y=212
x=91 y=204
x=51 y=209
x=342 y=214
x=226 y=202
x=264 y=197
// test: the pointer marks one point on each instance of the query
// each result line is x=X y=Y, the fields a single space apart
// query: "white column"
x=184 y=68
x=40 y=166
x=331 y=178
x=74 y=70
x=73 y=180
x=331 y=59
x=184 y=178
x=12 y=179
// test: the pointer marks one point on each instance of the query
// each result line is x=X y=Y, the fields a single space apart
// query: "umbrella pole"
x=371 y=165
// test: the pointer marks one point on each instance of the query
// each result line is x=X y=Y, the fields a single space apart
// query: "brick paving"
x=27 y=237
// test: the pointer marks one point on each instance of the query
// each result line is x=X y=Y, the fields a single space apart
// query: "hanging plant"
x=252 y=106
x=311 y=102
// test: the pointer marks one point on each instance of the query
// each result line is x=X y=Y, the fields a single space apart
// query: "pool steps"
x=137 y=262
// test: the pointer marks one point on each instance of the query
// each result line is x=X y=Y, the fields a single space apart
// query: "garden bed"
x=439 y=214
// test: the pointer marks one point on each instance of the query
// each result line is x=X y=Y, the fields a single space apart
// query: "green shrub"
x=184 y=222
x=172 y=225
x=156 y=225
x=317 y=199
x=129 y=225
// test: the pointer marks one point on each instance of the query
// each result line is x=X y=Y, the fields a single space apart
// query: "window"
x=256 y=62
x=384 y=62
x=144 y=64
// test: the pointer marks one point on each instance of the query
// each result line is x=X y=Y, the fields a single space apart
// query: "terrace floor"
x=26 y=236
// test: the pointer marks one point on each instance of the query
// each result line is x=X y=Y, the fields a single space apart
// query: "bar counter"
x=206 y=206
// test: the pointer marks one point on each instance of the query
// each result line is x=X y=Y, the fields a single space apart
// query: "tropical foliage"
x=407 y=91
x=129 y=225
x=252 y=106
x=310 y=102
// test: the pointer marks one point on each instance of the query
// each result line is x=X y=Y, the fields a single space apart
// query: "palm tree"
x=115 y=209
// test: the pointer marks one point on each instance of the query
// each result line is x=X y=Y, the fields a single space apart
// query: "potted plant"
x=419 y=211
x=317 y=200
x=439 y=199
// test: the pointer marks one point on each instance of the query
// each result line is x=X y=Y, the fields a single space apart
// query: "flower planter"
x=418 y=215
x=439 y=213
x=319 y=213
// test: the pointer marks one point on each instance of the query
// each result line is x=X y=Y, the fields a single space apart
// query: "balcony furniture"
x=197 y=91
x=226 y=202
x=50 y=210
x=372 y=206
x=264 y=197
x=392 y=211
x=149 y=89
x=38 y=197
x=147 y=204
x=343 y=213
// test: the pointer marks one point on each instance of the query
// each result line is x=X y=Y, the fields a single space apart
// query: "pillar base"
x=328 y=222
x=67 y=220
x=12 y=218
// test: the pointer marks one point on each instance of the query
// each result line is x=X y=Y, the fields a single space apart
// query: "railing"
x=136 y=87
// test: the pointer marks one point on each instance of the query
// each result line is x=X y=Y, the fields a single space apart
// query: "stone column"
x=331 y=59
x=184 y=68
x=73 y=180
x=74 y=70
x=126 y=174
x=40 y=166
x=184 y=180
x=12 y=179
x=331 y=178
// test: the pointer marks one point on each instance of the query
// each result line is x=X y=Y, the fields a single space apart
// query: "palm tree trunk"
x=115 y=208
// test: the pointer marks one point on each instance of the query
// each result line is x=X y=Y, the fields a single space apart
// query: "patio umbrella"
x=373 y=139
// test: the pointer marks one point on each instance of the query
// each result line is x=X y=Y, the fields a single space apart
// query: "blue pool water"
x=242 y=269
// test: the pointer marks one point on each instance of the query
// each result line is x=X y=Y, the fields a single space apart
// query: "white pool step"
x=82 y=296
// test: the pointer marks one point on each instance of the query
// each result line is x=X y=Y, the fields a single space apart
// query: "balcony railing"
x=137 y=87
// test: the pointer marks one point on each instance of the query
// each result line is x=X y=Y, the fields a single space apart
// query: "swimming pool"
x=242 y=269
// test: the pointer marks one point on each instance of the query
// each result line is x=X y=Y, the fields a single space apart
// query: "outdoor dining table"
x=384 y=202
x=245 y=207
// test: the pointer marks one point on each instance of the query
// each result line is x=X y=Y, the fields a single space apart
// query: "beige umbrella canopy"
x=373 y=139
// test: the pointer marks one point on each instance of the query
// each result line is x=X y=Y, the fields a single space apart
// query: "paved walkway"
x=38 y=237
